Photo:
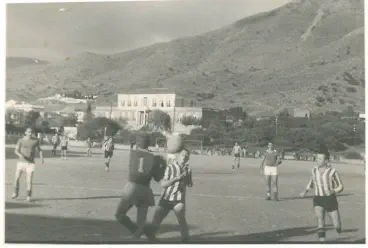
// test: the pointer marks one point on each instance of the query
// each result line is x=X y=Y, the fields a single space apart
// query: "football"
x=175 y=143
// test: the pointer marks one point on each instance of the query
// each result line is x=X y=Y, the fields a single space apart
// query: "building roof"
x=150 y=91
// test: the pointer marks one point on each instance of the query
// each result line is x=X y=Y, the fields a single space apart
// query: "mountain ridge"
x=262 y=62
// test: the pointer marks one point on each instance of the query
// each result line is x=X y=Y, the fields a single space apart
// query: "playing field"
x=75 y=201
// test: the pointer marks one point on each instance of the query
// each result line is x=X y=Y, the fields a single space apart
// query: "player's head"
x=29 y=132
x=183 y=156
x=270 y=145
x=236 y=143
x=322 y=155
x=143 y=140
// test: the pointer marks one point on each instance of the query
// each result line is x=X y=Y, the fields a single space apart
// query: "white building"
x=136 y=105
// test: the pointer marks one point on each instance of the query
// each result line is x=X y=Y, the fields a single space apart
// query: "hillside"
x=307 y=53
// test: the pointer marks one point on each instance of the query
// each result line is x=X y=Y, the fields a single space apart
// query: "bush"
x=95 y=128
x=351 y=89
x=352 y=155
x=159 y=118
x=190 y=120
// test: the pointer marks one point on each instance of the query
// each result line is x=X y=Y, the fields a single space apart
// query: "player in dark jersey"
x=269 y=167
x=143 y=166
x=26 y=152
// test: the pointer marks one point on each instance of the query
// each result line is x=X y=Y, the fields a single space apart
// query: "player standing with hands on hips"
x=25 y=150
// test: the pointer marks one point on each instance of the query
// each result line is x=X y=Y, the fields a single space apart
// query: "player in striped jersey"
x=177 y=177
x=326 y=183
x=143 y=166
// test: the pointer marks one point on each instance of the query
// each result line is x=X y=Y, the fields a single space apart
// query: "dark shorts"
x=329 y=203
x=237 y=155
x=168 y=204
x=64 y=148
x=108 y=154
x=135 y=195
x=54 y=146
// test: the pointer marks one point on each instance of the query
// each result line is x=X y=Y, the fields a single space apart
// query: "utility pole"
x=276 y=122
x=354 y=130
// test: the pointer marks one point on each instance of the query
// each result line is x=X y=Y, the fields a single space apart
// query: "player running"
x=55 y=141
x=177 y=176
x=108 y=147
x=143 y=166
x=269 y=167
x=25 y=150
x=326 y=183
x=236 y=152
x=64 y=146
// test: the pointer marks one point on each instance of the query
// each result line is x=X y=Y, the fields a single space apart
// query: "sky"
x=53 y=31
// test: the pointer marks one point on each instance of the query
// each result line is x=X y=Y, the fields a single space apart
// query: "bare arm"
x=38 y=147
x=262 y=163
x=167 y=181
x=17 y=150
x=309 y=186
x=338 y=182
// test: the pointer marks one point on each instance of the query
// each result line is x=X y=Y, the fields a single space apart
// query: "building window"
x=154 y=102
x=122 y=103
x=162 y=103
x=135 y=102
x=168 y=104
x=129 y=103
x=145 y=102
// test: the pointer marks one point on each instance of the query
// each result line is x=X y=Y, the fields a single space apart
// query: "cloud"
x=118 y=26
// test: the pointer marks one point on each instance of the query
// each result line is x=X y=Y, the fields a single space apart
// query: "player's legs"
x=65 y=152
x=274 y=185
x=29 y=183
x=333 y=211
x=120 y=215
x=18 y=174
x=237 y=161
x=159 y=215
x=179 y=210
x=320 y=215
x=141 y=220
x=268 y=186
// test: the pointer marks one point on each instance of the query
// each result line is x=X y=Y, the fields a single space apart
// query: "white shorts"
x=25 y=167
x=271 y=171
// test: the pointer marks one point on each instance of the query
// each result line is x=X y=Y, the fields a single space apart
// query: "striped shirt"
x=325 y=183
x=176 y=191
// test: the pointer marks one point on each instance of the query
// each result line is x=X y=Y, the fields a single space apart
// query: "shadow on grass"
x=309 y=197
x=276 y=236
x=17 y=205
x=20 y=228
x=80 y=198
x=9 y=154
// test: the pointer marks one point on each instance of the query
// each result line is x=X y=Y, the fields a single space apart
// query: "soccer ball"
x=175 y=143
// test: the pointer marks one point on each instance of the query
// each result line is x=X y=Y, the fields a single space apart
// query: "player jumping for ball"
x=25 y=150
x=269 y=167
x=326 y=183
x=143 y=166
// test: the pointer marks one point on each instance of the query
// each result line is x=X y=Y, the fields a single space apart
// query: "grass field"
x=75 y=201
